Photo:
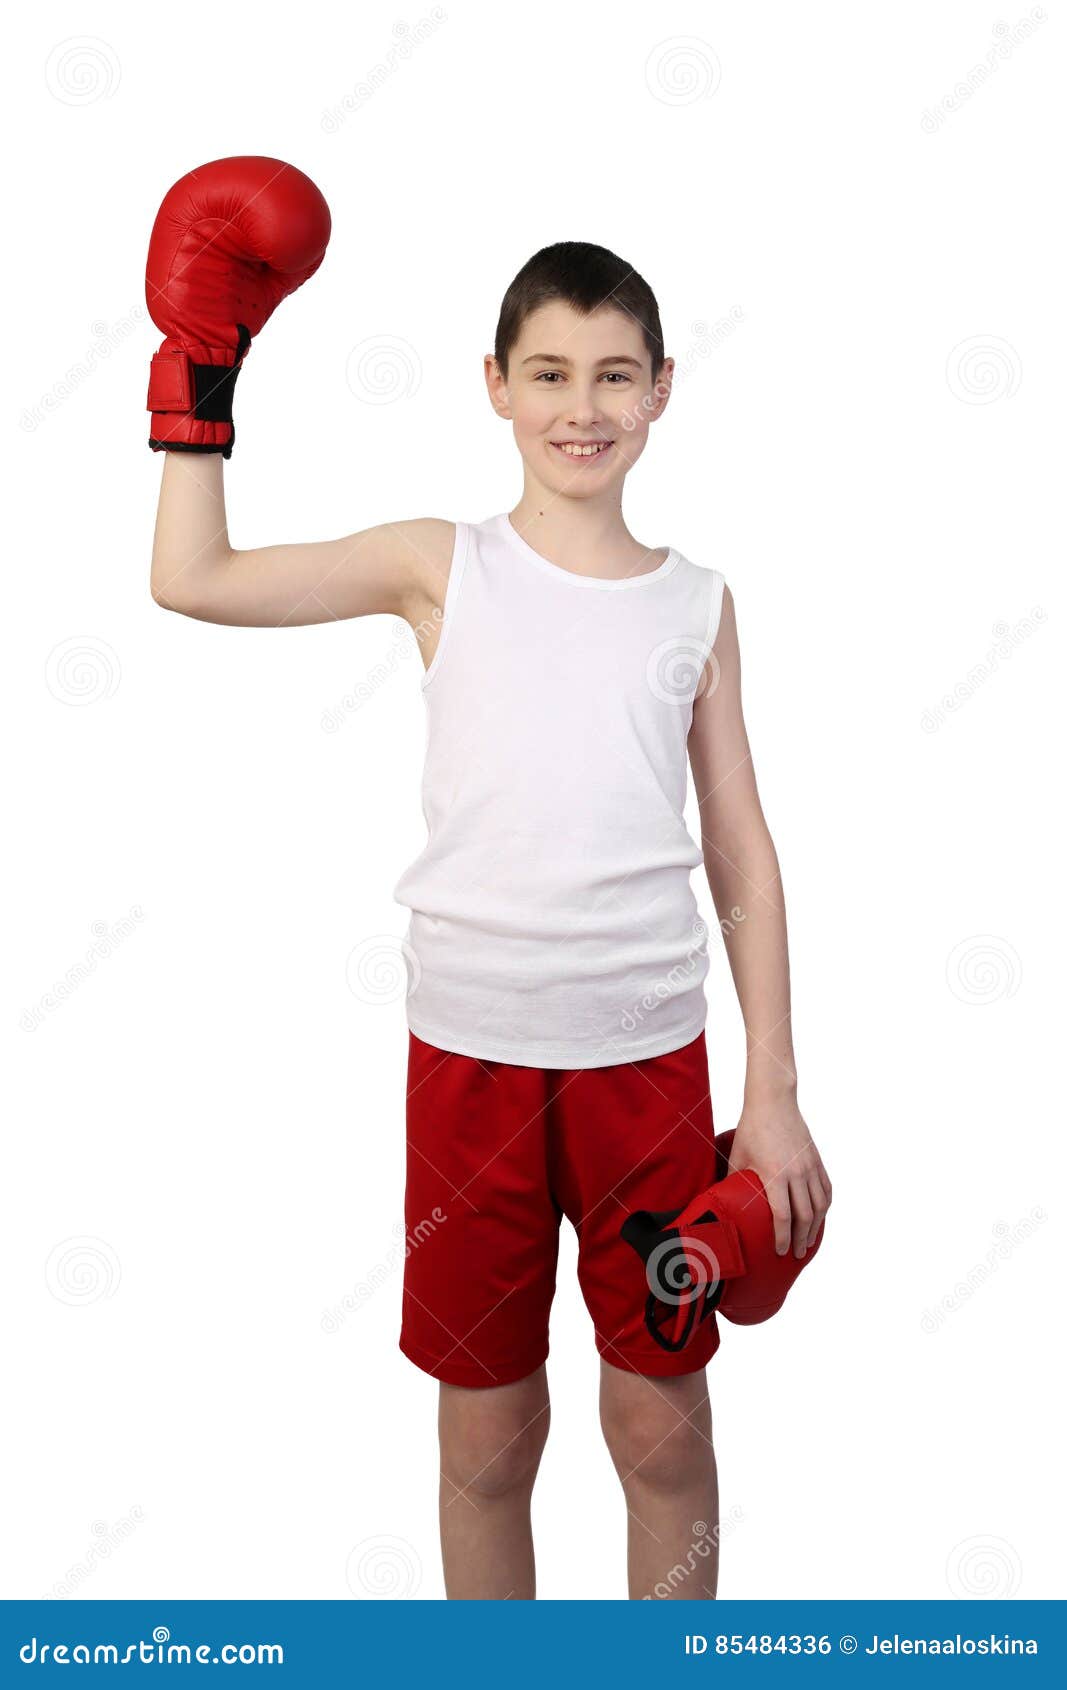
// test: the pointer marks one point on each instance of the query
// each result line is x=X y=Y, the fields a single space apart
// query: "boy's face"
x=580 y=395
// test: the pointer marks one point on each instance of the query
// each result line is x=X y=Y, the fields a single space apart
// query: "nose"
x=585 y=409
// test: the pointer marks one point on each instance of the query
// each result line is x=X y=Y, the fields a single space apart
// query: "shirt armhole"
x=448 y=613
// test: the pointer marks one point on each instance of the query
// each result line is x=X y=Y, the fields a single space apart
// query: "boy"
x=556 y=1012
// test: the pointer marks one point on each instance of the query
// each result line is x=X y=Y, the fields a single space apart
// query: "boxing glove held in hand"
x=716 y=1254
x=230 y=241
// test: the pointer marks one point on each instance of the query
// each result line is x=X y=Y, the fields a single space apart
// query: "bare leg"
x=491 y=1444
x=658 y=1432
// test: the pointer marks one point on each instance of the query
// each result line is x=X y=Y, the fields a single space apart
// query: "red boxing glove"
x=230 y=241
x=715 y=1255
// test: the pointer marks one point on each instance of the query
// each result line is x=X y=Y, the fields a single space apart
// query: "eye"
x=544 y=373
x=617 y=375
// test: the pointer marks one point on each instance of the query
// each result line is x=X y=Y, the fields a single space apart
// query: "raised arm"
x=398 y=568
x=745 y=881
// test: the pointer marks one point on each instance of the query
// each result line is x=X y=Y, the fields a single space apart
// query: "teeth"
x=581 y=451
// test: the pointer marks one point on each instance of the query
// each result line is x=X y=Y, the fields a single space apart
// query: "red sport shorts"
x=497 y=1154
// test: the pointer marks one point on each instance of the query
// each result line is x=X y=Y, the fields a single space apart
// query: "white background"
x=206 y=1144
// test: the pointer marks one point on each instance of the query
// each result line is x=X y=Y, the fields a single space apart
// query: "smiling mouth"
x=581 y=451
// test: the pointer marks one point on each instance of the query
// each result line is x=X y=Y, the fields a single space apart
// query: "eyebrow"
x=553 y=358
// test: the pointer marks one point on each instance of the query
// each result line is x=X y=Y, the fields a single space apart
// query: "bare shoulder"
x=717 y=706
x=719 y=751
x=722 y=669
x=726 y=646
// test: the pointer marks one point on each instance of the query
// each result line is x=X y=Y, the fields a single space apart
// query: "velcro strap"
x=722 y=1241
x=204 y=391
x=170 y=382
x=214 y=391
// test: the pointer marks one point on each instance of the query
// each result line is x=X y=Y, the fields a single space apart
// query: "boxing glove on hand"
x=230 y=241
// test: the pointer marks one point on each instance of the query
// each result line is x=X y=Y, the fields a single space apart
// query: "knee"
x=654 y=1446
x=493 y=1455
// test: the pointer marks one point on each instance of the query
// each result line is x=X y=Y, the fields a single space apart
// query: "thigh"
x=636 y=1135
x=482 y=1228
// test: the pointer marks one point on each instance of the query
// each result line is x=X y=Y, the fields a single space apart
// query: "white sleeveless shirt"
x=553 y=922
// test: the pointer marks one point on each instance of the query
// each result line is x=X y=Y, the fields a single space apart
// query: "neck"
x=585 y=533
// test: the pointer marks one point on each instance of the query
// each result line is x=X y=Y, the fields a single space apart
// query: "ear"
x=661 y=390
x=498 y=388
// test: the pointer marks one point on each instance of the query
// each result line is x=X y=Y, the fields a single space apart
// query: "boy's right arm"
x=396 y=568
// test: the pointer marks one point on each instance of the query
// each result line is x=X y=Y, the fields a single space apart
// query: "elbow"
x=166 y=589
x=166 y=601
x=187 y=590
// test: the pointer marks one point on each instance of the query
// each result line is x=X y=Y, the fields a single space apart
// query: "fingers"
x=779 y=1200
x=827 y=1187
x=809 y=1200
x=810 y=1195
x=819 y=1206
x=798 y=1204
x=803 y=1215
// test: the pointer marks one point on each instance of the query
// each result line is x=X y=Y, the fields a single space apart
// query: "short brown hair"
x=586 y=277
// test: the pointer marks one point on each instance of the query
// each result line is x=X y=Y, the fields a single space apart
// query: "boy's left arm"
x=745 y=882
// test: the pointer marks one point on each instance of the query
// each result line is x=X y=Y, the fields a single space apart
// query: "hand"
x=772 y=1138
